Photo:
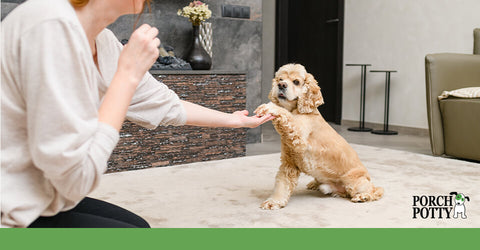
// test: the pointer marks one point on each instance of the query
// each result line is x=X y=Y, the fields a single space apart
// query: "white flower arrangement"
x=197 y=12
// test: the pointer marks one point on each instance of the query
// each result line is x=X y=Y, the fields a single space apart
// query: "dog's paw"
x=269 y=108
x=261 y=110
x=363 y=197
x=271 y=204
x=313 y=185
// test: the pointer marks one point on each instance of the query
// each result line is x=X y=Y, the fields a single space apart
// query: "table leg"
x=385 y=130
x=361 y=125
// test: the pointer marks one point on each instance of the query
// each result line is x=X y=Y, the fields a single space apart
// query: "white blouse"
x=53 y=148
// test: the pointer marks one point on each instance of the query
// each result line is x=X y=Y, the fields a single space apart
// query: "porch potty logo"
x=440 y=207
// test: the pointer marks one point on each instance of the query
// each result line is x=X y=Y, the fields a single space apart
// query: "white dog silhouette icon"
x=459 y=205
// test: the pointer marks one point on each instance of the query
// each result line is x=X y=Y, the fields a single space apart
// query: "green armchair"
x=454 y=123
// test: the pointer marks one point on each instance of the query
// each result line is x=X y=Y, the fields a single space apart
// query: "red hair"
x=81 y=3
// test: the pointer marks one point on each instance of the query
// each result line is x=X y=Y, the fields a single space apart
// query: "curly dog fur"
x=309 y=144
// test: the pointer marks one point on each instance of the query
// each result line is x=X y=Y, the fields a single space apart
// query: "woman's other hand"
x=139 y=53
x=136 y=58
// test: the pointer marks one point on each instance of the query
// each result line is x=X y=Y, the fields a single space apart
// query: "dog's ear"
x=467 y=198
x=311 y=96
x=453 y=193
x=272 y=95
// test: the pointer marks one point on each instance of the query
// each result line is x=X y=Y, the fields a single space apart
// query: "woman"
x=67 y=86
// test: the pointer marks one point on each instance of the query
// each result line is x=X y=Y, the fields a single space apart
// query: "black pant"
x=92 y=213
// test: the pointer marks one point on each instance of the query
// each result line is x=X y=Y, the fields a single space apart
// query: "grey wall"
x=237 y=43
x=9 y=5
x=393 y=34
x=268 y=50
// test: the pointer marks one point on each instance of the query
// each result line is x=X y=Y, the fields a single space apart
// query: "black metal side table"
x=385 y=130
x=363 y=80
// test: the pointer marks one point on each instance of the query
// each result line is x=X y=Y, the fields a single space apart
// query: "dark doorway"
x=311 y=33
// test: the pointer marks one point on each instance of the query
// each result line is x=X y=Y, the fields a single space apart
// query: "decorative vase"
x=206 y=37
x=198 y=58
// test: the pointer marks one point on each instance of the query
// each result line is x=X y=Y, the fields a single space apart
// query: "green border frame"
x=236 y=238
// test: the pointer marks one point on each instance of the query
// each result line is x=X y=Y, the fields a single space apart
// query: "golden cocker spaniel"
x=309 y=144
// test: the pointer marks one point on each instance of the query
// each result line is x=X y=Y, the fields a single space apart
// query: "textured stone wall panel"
x=141 y=148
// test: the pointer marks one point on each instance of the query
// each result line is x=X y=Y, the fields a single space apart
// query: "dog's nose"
x=282 y=85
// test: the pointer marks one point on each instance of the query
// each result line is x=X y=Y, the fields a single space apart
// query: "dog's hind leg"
x=364 y=190
x=285 y=183
x=313 y=185
x=333 y=189
x=325 y=188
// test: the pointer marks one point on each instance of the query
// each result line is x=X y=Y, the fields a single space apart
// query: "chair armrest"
x=446 y=72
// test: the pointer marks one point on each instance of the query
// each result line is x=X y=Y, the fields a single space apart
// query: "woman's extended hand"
x=205 y=117
x=243 y=120
x=139 y=53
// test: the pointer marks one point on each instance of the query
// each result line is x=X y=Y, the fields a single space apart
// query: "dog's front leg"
x=284 y=125
x=285 y=183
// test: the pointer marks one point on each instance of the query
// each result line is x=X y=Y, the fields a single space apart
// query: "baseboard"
x=400 y=129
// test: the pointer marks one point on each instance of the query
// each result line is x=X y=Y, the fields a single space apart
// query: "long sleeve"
x=66 y=141
x=54 y=150
x=154 y=103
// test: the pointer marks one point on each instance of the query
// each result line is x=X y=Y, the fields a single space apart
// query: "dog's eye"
x=296 y=82
x=280 y=79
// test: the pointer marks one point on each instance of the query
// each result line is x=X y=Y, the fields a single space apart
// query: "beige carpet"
x=227 y=193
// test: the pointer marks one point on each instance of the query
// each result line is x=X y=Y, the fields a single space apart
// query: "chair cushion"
x=473 y=92
x=461 y=127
